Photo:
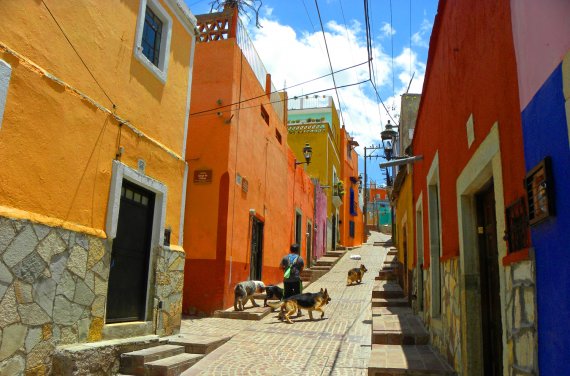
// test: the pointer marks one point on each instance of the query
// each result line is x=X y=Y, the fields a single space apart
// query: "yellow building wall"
x=60 y=132
x=405 y=224
x=325 y=156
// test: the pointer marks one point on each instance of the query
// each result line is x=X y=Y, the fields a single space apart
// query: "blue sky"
x=291 y=46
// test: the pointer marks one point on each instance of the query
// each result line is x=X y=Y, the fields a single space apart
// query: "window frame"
x=160 y=71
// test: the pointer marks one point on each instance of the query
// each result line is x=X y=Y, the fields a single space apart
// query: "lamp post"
x=307 y=153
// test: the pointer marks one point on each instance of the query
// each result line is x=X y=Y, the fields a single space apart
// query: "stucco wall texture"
x=237 y=141
x=60 y=117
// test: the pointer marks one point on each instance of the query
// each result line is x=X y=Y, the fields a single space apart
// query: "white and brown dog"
x=244 y=291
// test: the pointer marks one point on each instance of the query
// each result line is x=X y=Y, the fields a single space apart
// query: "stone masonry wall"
x=448 y=339
x=53 y=289
x=521 y=318
x=53 y=286
x=169 y=284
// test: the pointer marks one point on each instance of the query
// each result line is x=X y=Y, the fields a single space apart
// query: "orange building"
x=351 y=221
x=242 y=212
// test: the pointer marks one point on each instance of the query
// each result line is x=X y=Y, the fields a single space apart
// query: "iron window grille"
x=517 y=232
x=152 y=34
x=539 y=186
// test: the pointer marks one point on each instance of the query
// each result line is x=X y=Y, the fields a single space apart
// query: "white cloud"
x=294 y=58
x=387 y=30
x=419 y=37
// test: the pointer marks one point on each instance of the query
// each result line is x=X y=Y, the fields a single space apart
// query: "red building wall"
x=471 y=70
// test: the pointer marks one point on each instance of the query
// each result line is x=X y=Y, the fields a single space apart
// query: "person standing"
x=292 y=283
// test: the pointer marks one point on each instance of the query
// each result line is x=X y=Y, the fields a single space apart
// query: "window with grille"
x=152 y=34
x=517 y=233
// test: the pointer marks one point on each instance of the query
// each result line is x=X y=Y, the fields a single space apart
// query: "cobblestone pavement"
x=340 y=344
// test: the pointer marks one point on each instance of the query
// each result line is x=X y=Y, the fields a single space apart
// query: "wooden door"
x=128 y=275
x=256 y=262
x=489 y=274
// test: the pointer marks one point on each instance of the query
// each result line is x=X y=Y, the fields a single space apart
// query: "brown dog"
x=309 y=301
x=356 y=274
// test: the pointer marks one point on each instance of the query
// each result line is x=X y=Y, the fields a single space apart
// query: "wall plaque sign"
x=202 y=176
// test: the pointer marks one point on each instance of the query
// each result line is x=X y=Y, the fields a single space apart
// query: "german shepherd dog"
x=244 y=291
x=309 y=301
x=356 y=274
x=272 y=292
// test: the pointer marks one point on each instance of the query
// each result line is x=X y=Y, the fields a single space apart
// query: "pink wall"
x=320 y=240
x=540 y=34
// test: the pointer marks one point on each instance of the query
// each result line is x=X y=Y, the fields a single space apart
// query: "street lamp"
x=307 y=153
x=388 y=136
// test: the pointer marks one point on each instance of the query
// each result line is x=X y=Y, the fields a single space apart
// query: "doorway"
x=256 y=262
x=489 y=273
x=309 y=255
x=128 y=275
x=334 y=232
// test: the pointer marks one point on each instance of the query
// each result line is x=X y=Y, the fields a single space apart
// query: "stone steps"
x=134 y=362
x=399 y=338
x=249 y=313
x=172 y=366
x=196 y=344
x=327 y=261
x=393 y=302
x=392 y=360
x=387 y=290
x=180 y=353
x=398 y=330
x=387 y=275
x=334 y=253
x=381 y=311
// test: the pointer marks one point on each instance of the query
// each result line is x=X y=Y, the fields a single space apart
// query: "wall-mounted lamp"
x=388 y=136
x=307 y=153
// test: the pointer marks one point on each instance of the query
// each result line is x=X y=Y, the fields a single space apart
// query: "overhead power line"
x=276 y=91
x=77 y=53
x=330 y=63
x=208 y=112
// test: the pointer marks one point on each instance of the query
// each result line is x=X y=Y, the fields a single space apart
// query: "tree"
x=244 y=7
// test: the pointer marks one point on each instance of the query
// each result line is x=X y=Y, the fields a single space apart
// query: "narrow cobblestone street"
x=337 y=345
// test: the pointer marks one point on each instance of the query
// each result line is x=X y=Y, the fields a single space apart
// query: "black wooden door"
x=489 y=269
x=256 y=262
x=128 y=276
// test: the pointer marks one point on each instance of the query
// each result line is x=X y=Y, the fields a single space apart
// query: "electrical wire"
x=330 y=63
x=208 y=112
x=78 y=55
x=277 y=91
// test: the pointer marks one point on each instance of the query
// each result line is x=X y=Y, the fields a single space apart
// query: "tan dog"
x=356 y=274
x=244 y=291
x=309 y=301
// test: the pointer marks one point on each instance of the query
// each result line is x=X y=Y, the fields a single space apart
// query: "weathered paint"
x=57 y=113
x=62 y=130
x=542 y=44
x=237 y=146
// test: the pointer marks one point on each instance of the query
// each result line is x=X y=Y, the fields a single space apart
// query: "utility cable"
x=78 y=55
x=277 y=91
x=330 y=63
x=208 y=112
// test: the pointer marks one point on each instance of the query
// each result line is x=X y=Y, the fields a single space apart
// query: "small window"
x=264 y=115
x=351 y=229
x=278 y=136
x=152 y=35
x=152 y=40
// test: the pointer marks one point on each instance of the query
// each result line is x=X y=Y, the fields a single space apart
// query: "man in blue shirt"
x=292 y=285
